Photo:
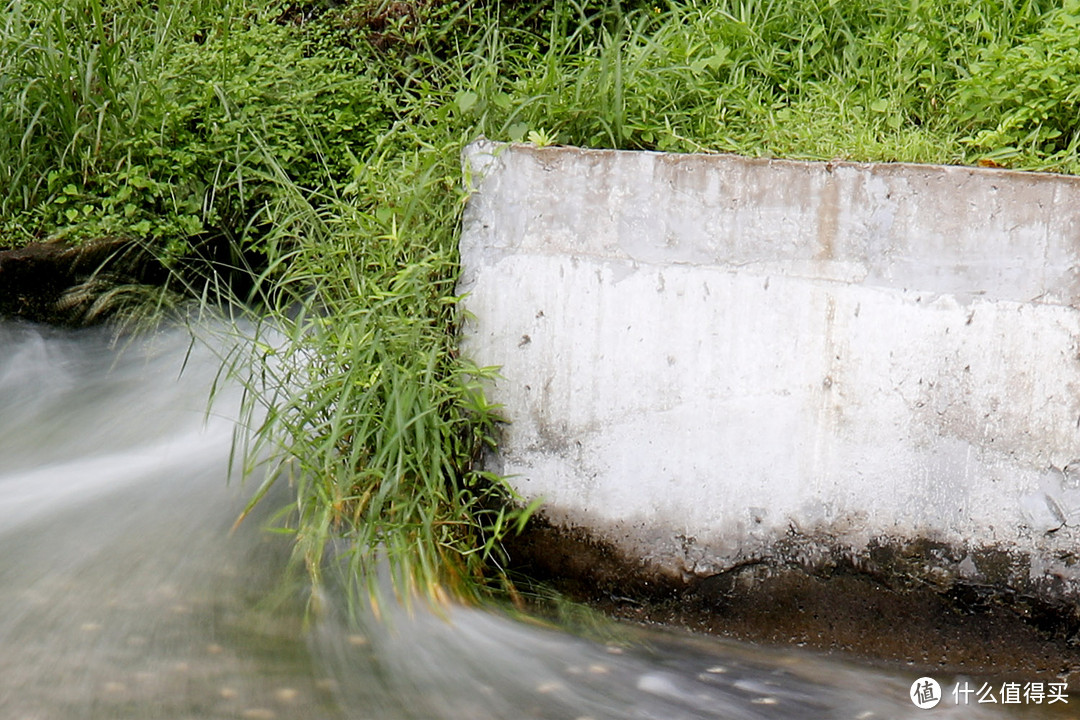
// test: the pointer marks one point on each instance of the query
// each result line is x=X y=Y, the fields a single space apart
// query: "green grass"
x=319 y=142
x=372 y=416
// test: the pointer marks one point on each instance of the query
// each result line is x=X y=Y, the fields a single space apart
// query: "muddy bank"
x=74 y=286
x=62 y=285
x=887 y=611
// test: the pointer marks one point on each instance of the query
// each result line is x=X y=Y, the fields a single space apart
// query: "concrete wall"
x=711 y=359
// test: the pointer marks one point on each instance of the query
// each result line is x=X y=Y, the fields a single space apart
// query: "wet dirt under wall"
x=882 y=611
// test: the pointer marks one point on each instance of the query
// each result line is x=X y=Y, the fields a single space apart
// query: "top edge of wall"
x=481 y=153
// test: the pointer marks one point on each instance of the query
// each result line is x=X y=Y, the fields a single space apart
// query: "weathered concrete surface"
x=711 y=360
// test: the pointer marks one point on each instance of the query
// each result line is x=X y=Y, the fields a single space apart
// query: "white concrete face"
x=704 y=356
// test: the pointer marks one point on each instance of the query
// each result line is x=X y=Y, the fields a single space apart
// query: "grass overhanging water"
x=318 y=141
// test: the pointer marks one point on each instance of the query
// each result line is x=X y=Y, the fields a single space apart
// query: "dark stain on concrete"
x=889 y=606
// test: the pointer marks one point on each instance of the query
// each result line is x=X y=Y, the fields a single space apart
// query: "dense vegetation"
x=319 y=141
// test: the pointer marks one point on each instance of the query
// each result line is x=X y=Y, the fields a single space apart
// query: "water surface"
x=123 y=593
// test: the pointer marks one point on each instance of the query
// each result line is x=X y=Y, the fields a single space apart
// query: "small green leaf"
x=517 y=131
x=466 y=100
x=880 y=105
x=541 y=138
x=719 y=57
x=190 y=224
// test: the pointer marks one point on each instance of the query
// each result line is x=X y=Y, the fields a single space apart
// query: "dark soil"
x=61 y=285
x=57 y=284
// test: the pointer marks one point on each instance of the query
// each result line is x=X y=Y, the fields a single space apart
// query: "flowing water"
x=123 y=593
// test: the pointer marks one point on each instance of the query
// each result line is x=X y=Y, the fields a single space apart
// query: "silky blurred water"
x=123 y=593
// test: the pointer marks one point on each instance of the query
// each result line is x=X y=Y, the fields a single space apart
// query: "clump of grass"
x=1021 y=98
x=152 y=122
x=866 y=80
x=369 y=412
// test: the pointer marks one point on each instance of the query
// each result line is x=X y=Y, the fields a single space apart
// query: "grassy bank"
x=318 y=143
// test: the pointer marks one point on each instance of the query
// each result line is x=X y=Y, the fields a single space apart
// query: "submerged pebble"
x=258 y=714
x=286 y=695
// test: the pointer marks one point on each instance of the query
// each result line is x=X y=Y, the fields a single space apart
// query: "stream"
x=123 y=593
